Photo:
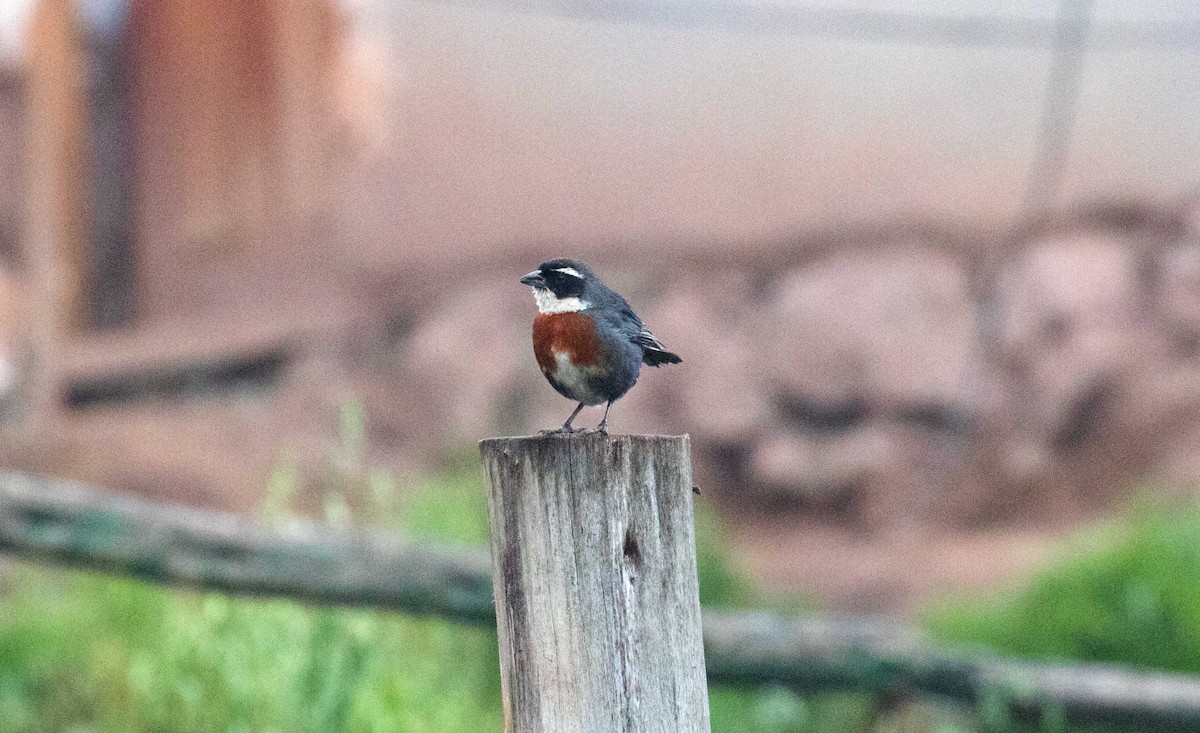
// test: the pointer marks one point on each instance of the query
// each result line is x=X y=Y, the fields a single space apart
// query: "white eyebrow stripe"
x=569 y=271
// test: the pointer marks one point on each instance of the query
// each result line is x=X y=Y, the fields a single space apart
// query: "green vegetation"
x=81 y=653
x=1127 y=593
x=90 y=654
x=87 y=653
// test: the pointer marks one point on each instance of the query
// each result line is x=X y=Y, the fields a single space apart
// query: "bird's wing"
x=647 y=340
x=653 y=351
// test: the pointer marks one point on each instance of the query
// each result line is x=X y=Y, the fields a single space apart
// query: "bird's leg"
x=603 y=426
x=566 y=427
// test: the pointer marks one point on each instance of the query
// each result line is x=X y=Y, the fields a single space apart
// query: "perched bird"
x=587 y=340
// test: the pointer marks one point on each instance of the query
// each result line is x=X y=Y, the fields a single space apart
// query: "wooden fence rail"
x=72 y=524
x=82 y=527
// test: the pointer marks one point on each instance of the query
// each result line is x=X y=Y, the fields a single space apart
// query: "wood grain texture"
x=594 y=573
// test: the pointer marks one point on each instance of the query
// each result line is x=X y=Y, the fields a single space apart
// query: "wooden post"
x=594 y=573
x=109 y=272
x=56 y=202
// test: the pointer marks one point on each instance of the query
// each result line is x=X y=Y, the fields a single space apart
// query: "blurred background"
x=932 y=268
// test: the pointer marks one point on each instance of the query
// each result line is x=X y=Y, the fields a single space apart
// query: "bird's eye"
x=569 y=271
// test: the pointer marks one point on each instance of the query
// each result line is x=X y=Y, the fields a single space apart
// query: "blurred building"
x=163 y=205
x=226 y=218
x=195 y=142
x=696 y=130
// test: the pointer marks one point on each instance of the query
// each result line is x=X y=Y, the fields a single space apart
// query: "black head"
x=565 y=278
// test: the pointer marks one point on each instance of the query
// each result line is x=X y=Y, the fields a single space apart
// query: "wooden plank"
x=235 y=141
x=890 y=659
x=221 y=335
x=68 y=523
x=56 y=203
x=112 y=157
x=594 y=568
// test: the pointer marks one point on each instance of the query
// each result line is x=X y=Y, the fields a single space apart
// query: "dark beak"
x=534 y=279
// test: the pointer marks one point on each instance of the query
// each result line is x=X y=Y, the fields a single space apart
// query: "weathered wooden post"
x=594 y=572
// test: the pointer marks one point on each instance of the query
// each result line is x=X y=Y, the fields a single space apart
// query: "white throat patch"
x=549 y=303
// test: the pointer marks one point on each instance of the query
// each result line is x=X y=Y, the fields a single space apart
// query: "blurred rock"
x=1179 y=292
x=463 y=361
x=1072 y=326
x=857 y=386
x=860 y=360
x=717 y=390
x=885 y=328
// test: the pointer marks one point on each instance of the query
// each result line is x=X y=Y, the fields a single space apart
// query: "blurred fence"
x=83 y=527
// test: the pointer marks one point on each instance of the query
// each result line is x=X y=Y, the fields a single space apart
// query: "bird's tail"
x=658 y=357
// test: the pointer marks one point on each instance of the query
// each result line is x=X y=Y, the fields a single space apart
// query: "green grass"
x=1125 y=593
x=80 y=652
x=90 y=654
x=87 y=653
x=84 y=653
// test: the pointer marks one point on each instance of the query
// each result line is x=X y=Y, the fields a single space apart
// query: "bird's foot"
x=564 y=430
x=601 y=429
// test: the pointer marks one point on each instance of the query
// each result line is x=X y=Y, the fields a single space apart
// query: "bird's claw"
x=564 y=430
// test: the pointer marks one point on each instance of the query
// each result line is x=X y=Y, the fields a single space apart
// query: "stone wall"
x=887 y=383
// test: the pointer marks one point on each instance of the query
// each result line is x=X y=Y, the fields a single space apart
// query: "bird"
x=587 y=340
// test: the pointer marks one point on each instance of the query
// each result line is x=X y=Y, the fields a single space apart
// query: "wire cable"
x=928 y=29
x=1059 y=109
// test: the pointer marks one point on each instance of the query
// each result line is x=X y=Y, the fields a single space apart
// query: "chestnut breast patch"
x=569 y=336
